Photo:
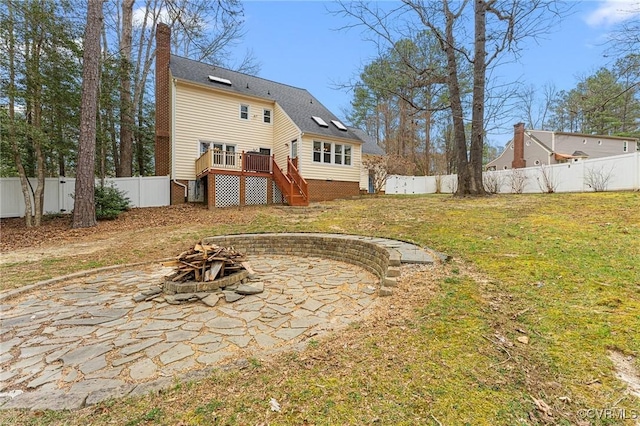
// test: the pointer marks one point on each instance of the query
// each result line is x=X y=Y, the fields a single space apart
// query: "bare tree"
x=377 y=167
x=84 y=212
x=493 y=181
x=124 y=168
x=517 y=180
x=598 y=178
x=536 y=110
x=547 y=180
x=501 y=25
x=11 y=92
x=625 y=39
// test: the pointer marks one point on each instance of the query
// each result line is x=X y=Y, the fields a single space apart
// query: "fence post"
x=636 y=166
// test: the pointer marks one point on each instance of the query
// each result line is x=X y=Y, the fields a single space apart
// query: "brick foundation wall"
x=177 y=192
x=325 y=190
x=364 y=254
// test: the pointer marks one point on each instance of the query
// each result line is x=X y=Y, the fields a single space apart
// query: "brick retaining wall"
x=367 y=255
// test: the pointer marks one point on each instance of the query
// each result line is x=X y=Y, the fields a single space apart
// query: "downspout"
x=173 y=141
x=553 y=145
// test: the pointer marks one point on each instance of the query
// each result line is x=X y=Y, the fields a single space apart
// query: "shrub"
x=110 y=202
x=598 y=179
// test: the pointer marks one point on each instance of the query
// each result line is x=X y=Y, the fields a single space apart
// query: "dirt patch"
x=626 y=371
x=56 y=233
x=40 y=253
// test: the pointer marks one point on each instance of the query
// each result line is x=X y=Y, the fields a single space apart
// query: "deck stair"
x=293 y=186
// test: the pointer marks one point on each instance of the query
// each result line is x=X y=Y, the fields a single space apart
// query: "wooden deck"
x=293 y=186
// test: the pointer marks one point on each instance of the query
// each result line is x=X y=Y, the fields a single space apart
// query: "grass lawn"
x=516 y=330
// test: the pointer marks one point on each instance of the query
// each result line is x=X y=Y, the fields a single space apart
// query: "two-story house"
x=534 y=148
x=228 y=138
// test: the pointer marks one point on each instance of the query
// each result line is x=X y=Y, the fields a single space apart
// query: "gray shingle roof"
x=369 y=146
x=299 y=104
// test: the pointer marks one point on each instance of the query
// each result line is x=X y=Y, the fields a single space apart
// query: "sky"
x=301 y=44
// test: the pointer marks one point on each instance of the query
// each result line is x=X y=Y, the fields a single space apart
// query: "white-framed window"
x=266 y=115
x=625 y=146
x=317 y=152
x=204 y=146
x=337 y=154
x=223 y=154
x=332 y=153
x=244 y=112
x=294 y=148
x=326 y=152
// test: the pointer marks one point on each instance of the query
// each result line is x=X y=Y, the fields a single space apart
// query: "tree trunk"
x=34 y=112
x=84 y=212
x=427 y=141
x=476 y=186
x=126 y=105
x=459 y=136
x=13 y=142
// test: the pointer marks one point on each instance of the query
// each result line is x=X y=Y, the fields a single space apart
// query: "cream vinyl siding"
x=313 y=170
x=364 y=175
x=284 y=131
x=203 y=114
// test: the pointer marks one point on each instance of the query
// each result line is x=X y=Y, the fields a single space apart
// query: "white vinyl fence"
x=617 y=173
x=148 y=191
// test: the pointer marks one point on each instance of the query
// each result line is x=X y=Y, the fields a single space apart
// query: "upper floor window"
x=244 y=112
x=266 y=115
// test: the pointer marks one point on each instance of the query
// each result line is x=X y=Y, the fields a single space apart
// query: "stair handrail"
x=282 y=180
x=302 y=184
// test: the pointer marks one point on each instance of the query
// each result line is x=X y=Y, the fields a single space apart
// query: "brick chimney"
x=518 y=147
x=163 y=113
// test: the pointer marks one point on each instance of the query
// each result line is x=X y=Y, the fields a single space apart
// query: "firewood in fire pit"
x=206 y=262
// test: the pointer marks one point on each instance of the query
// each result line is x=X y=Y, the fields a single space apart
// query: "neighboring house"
x=370 y=150
x=229 y=138
x=534 y=148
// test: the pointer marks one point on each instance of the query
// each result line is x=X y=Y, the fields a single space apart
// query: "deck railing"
x=232 y=160
x=256 y=162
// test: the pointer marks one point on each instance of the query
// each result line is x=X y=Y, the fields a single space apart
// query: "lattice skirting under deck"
x=276 y=197
x=255 y=190
x=227 y=190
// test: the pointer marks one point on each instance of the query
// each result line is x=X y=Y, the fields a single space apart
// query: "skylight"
x=319 y=121
x=339 y=125
x=220 y=80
